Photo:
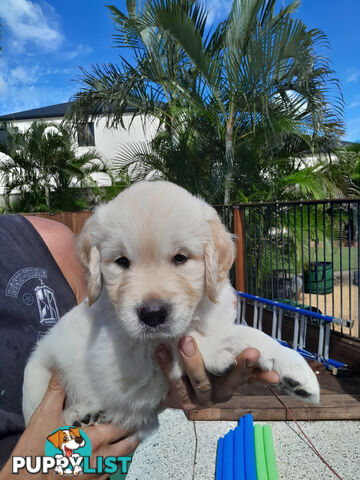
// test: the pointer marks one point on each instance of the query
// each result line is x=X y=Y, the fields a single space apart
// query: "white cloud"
x=57 y=71
x=3 y=86
x=29 y=22
x=355 y=102
x=17 y=76
x=353 y=130
x=218 y=9
x=27 y=71
x=22 y=75
x=80 y=51
x=23 y=87
x=32 y=96
x=353 y=77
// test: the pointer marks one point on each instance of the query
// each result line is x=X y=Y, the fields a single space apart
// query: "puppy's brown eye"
x=123 y=262
x=179 y=259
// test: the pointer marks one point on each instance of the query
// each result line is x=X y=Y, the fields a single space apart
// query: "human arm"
x=60 y=240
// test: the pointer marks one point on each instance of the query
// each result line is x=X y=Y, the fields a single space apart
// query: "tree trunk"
x=47 y=194
x=229 y=157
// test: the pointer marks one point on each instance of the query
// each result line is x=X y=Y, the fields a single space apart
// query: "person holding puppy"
x=42 y=278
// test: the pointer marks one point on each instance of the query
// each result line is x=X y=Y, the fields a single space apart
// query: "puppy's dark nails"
x=96 y=416
x=85 y=420
x=290 y=382
x=302 y=393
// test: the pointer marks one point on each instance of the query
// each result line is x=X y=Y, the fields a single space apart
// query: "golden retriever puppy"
x=157 y=260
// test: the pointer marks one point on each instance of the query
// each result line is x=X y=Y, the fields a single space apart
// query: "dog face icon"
x=67 y=440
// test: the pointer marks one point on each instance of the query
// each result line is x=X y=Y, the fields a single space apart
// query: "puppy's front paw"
x=82 y=416
x=296 y=376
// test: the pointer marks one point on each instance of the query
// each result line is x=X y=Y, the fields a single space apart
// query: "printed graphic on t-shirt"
x=48 y=310
x=42 y=295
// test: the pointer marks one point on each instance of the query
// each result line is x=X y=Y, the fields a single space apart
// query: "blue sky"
x=44 y=43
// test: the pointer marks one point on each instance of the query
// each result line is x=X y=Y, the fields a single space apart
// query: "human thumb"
x=54 y=397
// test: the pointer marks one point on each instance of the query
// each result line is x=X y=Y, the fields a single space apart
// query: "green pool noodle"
x=270 y=454
x=260 y=459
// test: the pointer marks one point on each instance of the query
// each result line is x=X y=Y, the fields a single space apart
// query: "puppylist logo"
x=68 y=452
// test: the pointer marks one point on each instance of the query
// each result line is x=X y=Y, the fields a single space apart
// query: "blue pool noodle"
x=249 y=448
x=219 y=460
x=228 y=459
x=239 y=454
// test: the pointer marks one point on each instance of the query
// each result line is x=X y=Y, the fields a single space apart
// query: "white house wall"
x=108 y=141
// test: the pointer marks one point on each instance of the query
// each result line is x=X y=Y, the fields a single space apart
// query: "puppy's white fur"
x=105 y=354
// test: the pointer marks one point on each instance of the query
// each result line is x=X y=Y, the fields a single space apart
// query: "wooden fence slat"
x=240 y=248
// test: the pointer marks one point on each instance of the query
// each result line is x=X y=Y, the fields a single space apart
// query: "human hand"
x=106 y=440
x=200 y=388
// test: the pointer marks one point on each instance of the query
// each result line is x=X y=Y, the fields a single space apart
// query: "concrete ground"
x=185 y=450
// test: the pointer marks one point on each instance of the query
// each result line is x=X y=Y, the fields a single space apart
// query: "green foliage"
x=255 y=81
x=286 y=237
x=187 y=154
x=42 y=169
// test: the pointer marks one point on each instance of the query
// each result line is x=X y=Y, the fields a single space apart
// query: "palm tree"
x=178 y=155
x=42 y=164
x=257 y=70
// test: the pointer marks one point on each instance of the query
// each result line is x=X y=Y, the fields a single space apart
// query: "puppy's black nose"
x=153 y=313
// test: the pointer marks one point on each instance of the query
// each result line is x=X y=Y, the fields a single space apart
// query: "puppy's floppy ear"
x=220 y=254
x=90 y=258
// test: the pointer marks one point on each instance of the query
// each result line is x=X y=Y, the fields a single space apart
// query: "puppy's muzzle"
x=153 y=313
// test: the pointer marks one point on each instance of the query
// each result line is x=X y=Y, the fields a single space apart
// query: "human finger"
x=105 y=434
x=195 y=369
x=52 y=403
x=246 y=370
x=123 y=447
x=224 y=386
x=259 y=376
x=240 y=373
x=179 y=395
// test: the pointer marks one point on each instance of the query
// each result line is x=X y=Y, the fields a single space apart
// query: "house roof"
x=50 y=111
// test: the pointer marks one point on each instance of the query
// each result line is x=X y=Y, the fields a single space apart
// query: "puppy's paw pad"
x=302 y=393
x=83 y=415
x=290 y=382
x=293 y=387
x=300 y=381
x=94 y=418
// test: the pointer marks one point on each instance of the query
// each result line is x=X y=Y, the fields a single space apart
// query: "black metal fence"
x=305 y=254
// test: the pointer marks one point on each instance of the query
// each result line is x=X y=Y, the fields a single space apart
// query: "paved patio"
x=186 y=450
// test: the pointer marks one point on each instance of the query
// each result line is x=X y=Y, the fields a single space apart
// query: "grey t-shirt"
x=34 y=294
